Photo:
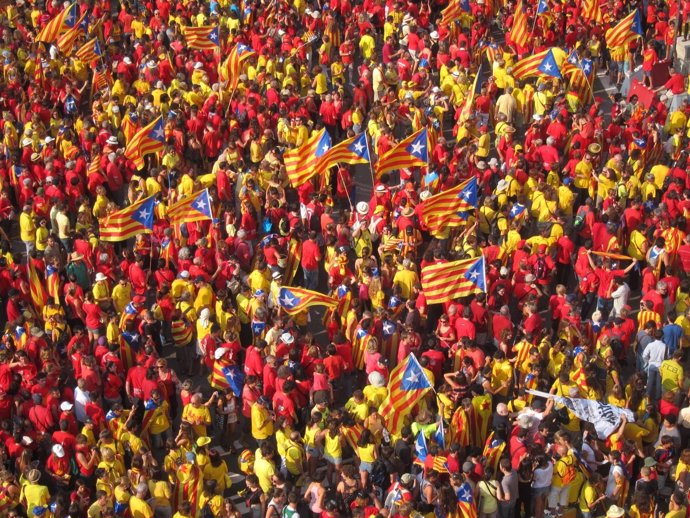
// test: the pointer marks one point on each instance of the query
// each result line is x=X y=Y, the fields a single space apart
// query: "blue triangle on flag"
x=418 y=147
x=359 y=146
x=549 y=66
x=476 y=274
x=144 y=214
x=324 y=144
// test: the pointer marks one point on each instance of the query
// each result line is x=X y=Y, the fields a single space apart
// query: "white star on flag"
x=474 y=274
x=359 y=147
x=200 y=205
x=388 y=328
x=417 y=148
x=288 y=301
x=143 y=214
x=413 y=377
x=158 y=133
x=547 y=67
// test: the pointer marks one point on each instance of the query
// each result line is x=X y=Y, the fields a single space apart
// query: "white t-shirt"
x=542 y=476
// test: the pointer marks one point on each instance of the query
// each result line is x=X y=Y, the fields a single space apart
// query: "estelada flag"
x=407 y=384
x=202 y=38
x=39 y=295
x=127 y=223
x=445 y=281
x=294 y=300
x=625 y=31
x=448 y=208
x=301 y=162
x=196 y=207
x=63 y=21
x=519 y=32
x=149 y=139
x=412 y=151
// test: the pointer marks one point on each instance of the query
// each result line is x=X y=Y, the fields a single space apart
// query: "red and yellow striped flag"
x=66 y=42
x=449 y=208
x=447 y=281
x=39 y=295
x=90 y=51
x=230 y=69
x=591 y=11
x=628 y=29
x=202 y=38
x=149 y=139
x=300 y=163
x=63 y=21
x=519 y=32
x=407 y=385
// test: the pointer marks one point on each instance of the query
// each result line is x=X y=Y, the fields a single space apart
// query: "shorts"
x=540 y=491
x=366 y=466
x=94 y=330
x=336 y=461
x=559 y=497
x=314 y=452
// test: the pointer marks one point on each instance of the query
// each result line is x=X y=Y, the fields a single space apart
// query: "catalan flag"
x=90 y=51
x=231 y=68
x=412 y=151
x=227 y=376
x=101 y=79
x=446 y=281
x=196 y=207
x=39 y=295
x=53 y=282
x=549 y=67
x=407 y=384
x=350 y=151
x=293 y=260
x=469 y=100
x=67 y=40
x=421 y=451
x=149 y=139
x=127 y=223
x=447 y=208
x=542 y=7
x=202 y=38
x=300 y=163
x=440 y=436
x=493 y=449
x=591 y=12
x=466 y=505
x=578 y=73
x=625 y=31
x=452 y=12
x=63 y=21
x=519 y=32
x=295 y=300
x=529 y=66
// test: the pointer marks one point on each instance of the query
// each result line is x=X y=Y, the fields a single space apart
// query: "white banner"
x=606 y=418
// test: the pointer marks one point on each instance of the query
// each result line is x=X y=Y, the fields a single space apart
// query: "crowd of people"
x=157 y=366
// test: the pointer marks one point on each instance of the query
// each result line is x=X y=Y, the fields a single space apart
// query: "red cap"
x=139 y=299
x=541 y=249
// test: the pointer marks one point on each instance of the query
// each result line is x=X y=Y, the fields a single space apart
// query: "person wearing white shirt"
x=620 y=294
x=653 y=355
x=81 y=398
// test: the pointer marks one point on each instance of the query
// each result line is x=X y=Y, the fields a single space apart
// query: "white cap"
x=184 y=274
x=502 y=185
x=49 y=139
x=66 y=406
x=198 y=65
x=287 y=338
x=112 y=140
x=58 y=451
x=218 y=354
x=100 y=277
x=363 y=208
x=424 y=195
x=127 y=60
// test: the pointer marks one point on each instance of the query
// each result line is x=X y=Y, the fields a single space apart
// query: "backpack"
x=540 y=268
x=379 y=475
x=579 y=220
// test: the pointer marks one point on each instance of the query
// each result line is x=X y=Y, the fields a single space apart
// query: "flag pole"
x=371 y=166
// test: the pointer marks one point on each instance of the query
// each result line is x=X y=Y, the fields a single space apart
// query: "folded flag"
x=67 y=40
x=231 y=68
x=39 y=295
x=149 y=139
x=294 y=300
x=519 y=32
x=127 y=223
x=448 y=208
x=412 y=151
x=420 y=449
x=301 y=162
x=196 y=207
x=90 y=51
x=408 y=383
x=446 y=281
